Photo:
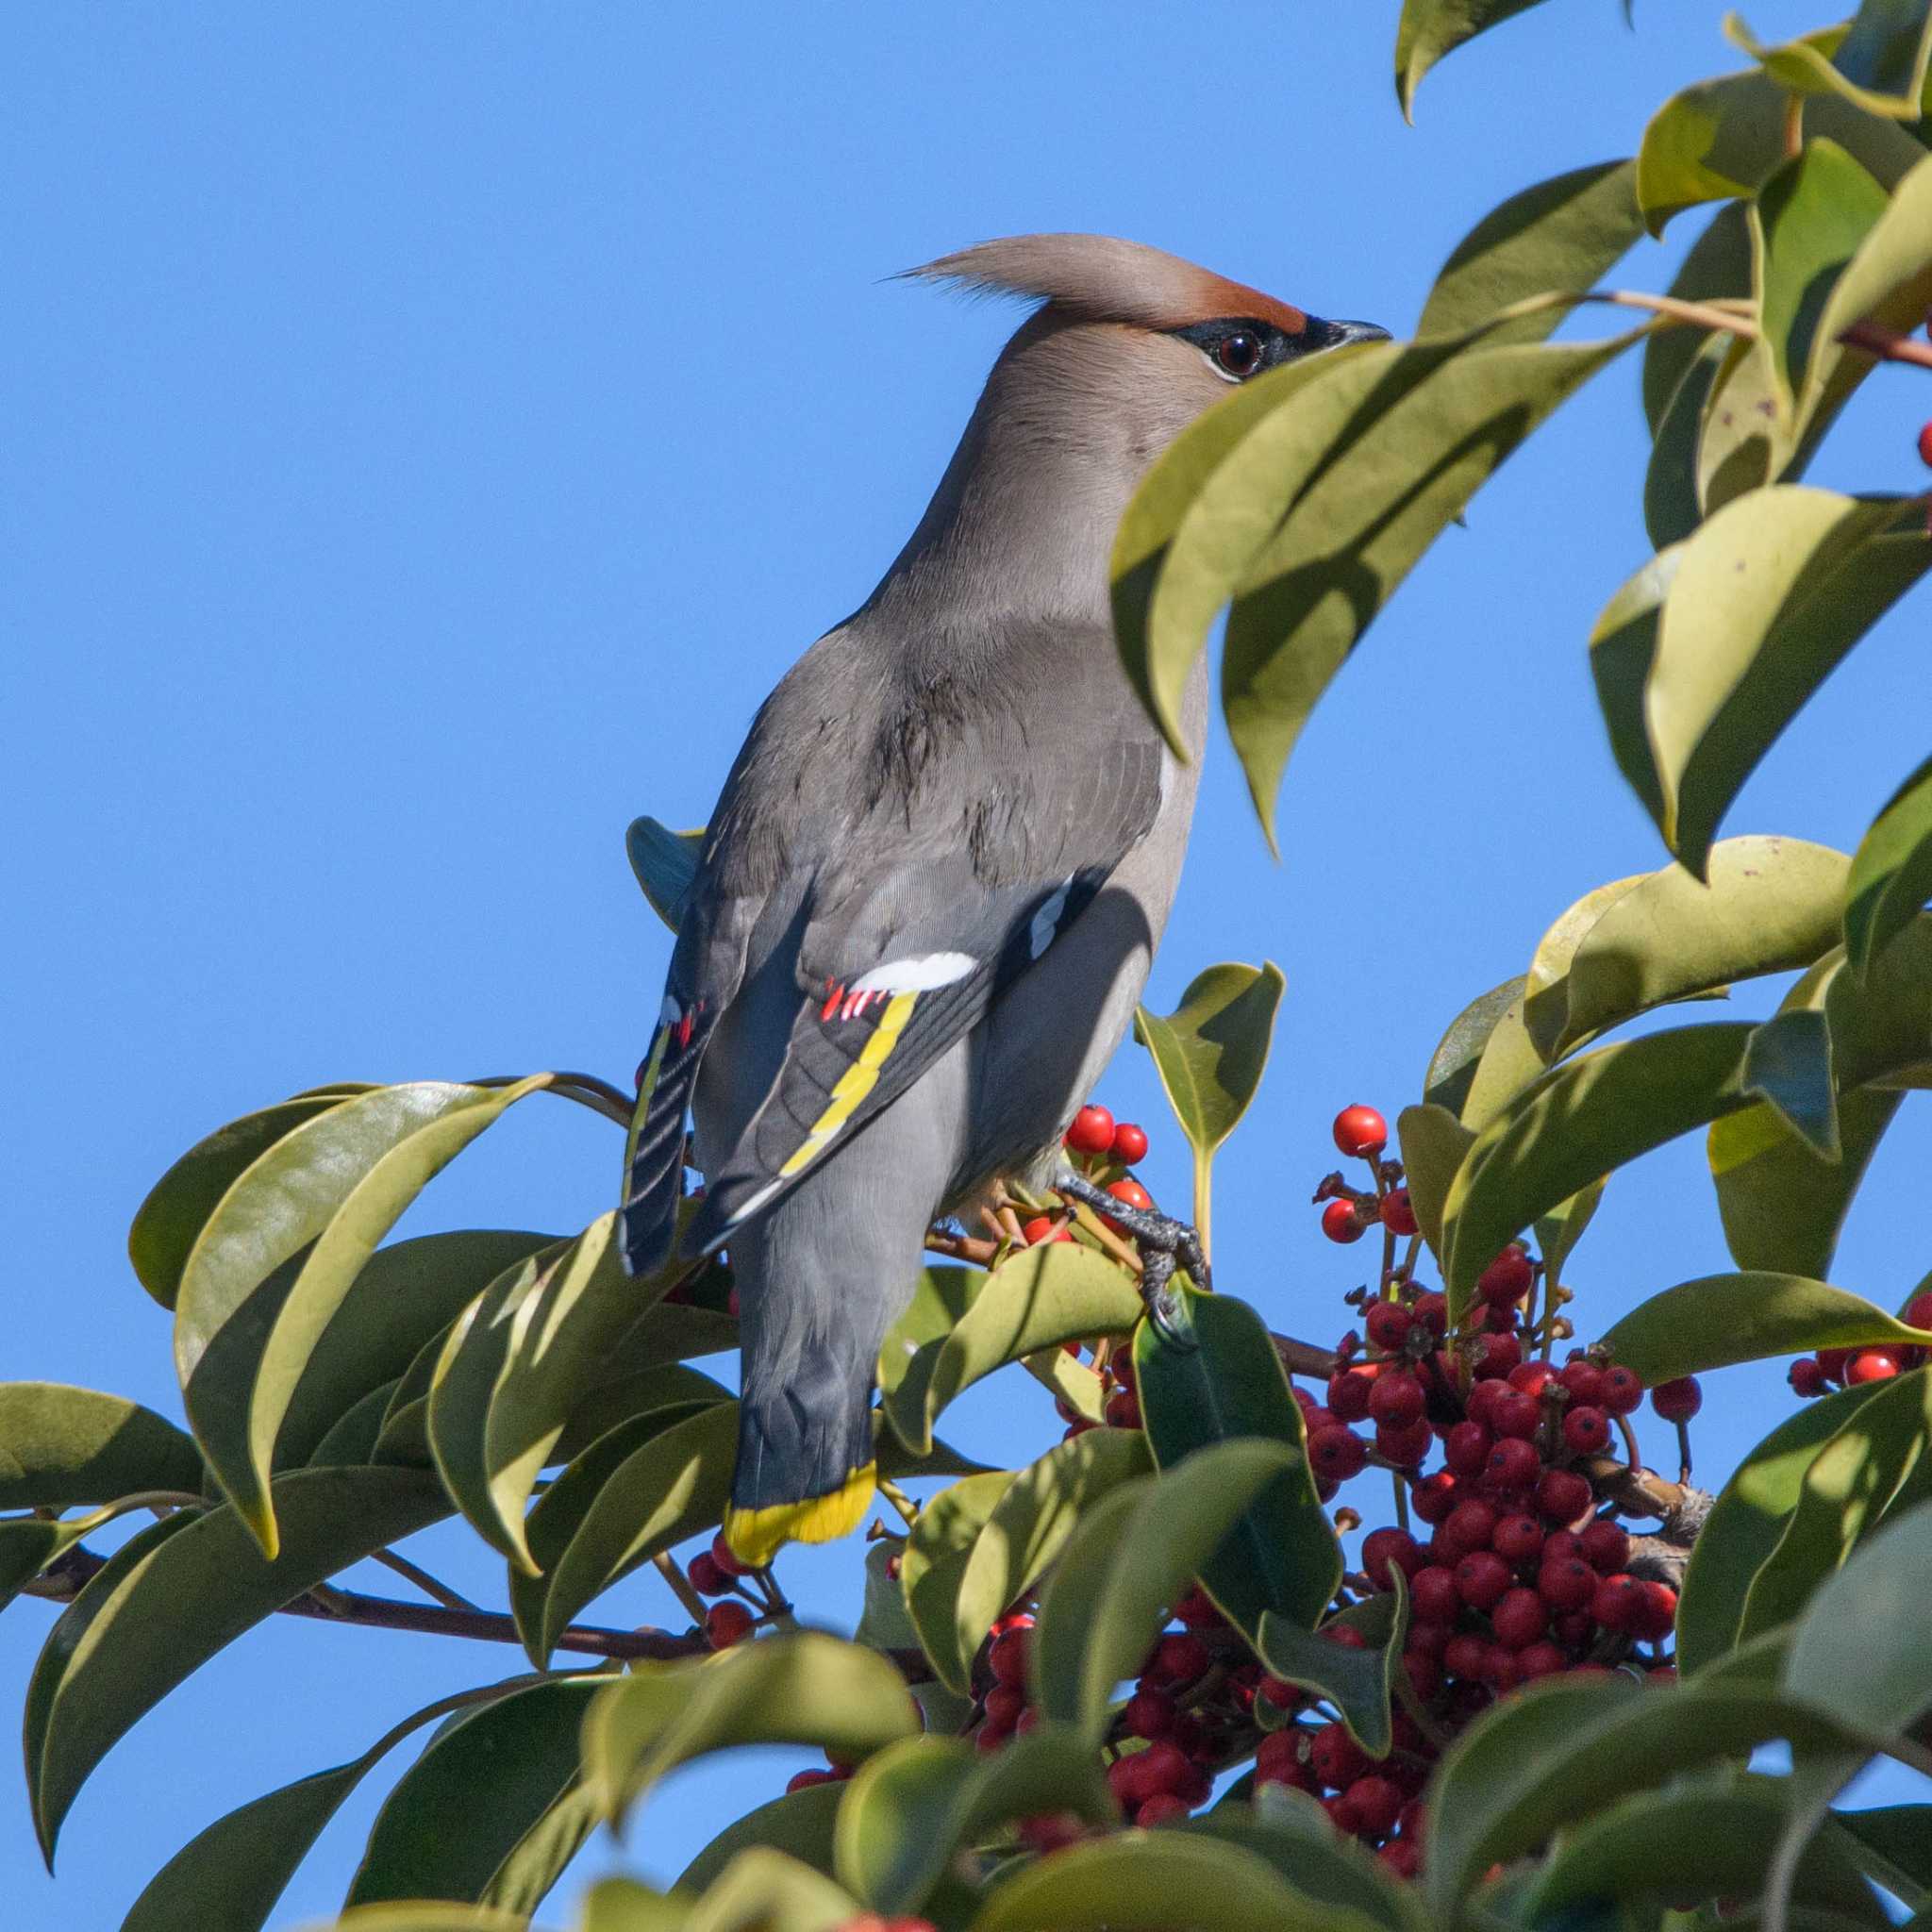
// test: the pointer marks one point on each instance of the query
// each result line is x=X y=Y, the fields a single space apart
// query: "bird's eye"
x=1239 y=355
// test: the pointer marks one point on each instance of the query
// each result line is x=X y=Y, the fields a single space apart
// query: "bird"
x=928 y=897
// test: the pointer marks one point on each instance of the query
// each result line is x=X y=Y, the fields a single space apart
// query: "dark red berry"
x=1519 y=1618
x=1348 y=1392
x=1149 y=1714
x=720 y=1555
x=804 y=1780
x=1807 y=1377
x=1122 y=1409
x=1925 y=453
x=1398 y=1215
x=1008 y=1658
x=1562 y=1495
x=1463 y=1655
x=1385 y=1548
x=1655 y=1614
x=1405 y=1444
x=1481 y=1578
x=1584 y=1382
x=1605 y=1547
x=1397 y=1398
x=707 y=1578
x=1513 y=1414
x=1278 y=1762
x=1623 y=1391
x=726 y=1622
x=1469 y=1527
x=1540 y=1659
x=1376 y=1803
x=1617 y=1602
x=1179 y=1659
x=1679 y=1401
x=1092 y=1131
x=1004 y=1704
x=1129 y=1143
x=1918 y=1312
x=1341 y=1222
x=1336 y=1758
x=1565 y=1583
x=1512 y=1465
x=1424 y=1672
x=1360 y=1130
x=1432 y=1312
x=1496 y=1354
x=1388 y=1325
x=1434 y=1496
x=1561 y=1544
x=1499 y=1666
x=1433 y=1595
x=1508 y=1278
x=1337 y=1453
x=1466 y=1448
x=1586 y=1430
x=1163 y=1807
x=1870 y=1365
x=1518 y=1539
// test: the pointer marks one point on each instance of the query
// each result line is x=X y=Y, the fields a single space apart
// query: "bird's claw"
x=1166 y=1244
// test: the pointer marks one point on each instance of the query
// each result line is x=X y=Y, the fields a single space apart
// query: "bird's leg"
x=1165 y=1243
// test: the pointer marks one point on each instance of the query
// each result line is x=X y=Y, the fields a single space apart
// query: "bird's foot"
x=1165 y=1242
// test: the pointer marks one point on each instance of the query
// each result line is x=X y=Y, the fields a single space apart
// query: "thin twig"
x=960 y=1247
x=1887 y=343
x=427 y=1584
x=681 y=1587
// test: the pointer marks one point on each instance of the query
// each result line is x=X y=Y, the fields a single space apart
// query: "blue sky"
x=429 y=432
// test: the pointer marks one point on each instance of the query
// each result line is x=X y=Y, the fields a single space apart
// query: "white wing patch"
x=925 y=973
x=1046 y=922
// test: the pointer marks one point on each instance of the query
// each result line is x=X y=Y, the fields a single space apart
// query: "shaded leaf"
x=1623 y=648
x=1672 y=504
x=1428 y=30
x=940 y=1300
x=1892 y=870
x=805 y=1689
x=1745 y=430
x=1879 y=65
x=427 y=1916
x=179 y=1591
x=1453 y=1065
x=62 y=1445
x=666 y=864
x=1787 y=1063
x=649 y=1392
x=1433 y=1142
x=1559 y=1231
x=1717 y=263
x=1280 y=1558
x=1133 y=1558
x=1563 y=233
x=1895 y=1843
x=934 y=1566
x=1361 y=1684
x=29 y=1543
x=799 y=1824
x=1291 y=1832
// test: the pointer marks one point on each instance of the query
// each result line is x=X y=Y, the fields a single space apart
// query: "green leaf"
x=62 y=1445
x=1428 y=30
x=1746 y=431
x=1433 y=1144
x=242 y=1330
x=1280 y=1558
x=1725 y=136
x=799 y=1824
x=1457 y=1054
x=1440 y=421
x=1763 y=601
x=176 y=1594
x=1892 y=870
x=939 y=1301
x=1211 y=1052
x=1745 y=1524
x=1563 y=233
x=29 y=1543
x=649 y=1392
x=1718 y=263
x=1361 y=1684
x=1875 y=1463
x=912 y=1808
x=427 y=1916
x=759 y=1891
x=479 y=1791
x=1894 y=1842
x=169 y=1221
x=1291 y=1832
x=1673 y=506
x=1787 y=1063
x=1128 y=1563
x=1879 y=66
x=1559 y=1231
x=1582 y=1120
x=1037 y=1299
x=666 y=862
x=1701 y=1841
x=1767 y=904
x=621 y=1905
x=806 y=1688
x=633 y=1494
x=934 y=1566
x=1153 y=1881
x=1623 y=648
x=1722 y=1319
x=1552 y=1756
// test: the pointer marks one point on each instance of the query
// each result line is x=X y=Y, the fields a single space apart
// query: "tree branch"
x=1887 y=344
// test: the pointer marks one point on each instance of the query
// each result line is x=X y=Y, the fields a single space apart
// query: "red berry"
x=1576 y=1627
x=1007 y=1658
x=1518 y=1539
x=1132 y=1194
x=1337 y=1454
x=1617 y=1602
x=1512 y=1465
x=1870 y=1365
x=1347 y=1635
x=1122 y=1409
x=1586 y=1430
x=1401 y=1857
x=1004 y=1704
x=1433 y=1595
x=1278 y=1759
x=1398 y=1214
x=1129 y=1143
x=1407 y=1444
x=1397 y=1398
x=1424 y=1673
x=1278 y=1693
x=1348 y=1392
x=804 y=1780
x=1043 y=1228
x=1463 y=1655
x=1499 y=1666
x=1807 y=1377
x=1434 y=1496
x=1605 y=1547
x=1657 y=1611
x=1531 y=1377
x=1163 y=1807
x=1385 y=1548
x=1562 y=1495
x=1519 y=1619
x=1336 y=1758
x=1623 y=1391
x=1429 y=1636
x=1092 y=1131
x=1341 y=1222
x=1508 y=1278
x=1469 y=1527
x=1481 y=1577
x=1432 y=1312
x=1388 y=1325
x=1376 y=1803
x=720 y=1555
x=706 y=1576
x=1197 y=1611
x=1584 y=1382
x=1179 y=1659
x=1499 y=1320
x=1541 y=1659
x=1360 y=1130
x=1679 y=1401
x=1926 y=457
x=1513 y=1414
x=1466 y=1448
x=1918 y=1312
x=726 y=1622
x=1164 y=1769
x=1496 y=1354
x=1049 y=1831
x=1561 y=1544
x=1565 y=1583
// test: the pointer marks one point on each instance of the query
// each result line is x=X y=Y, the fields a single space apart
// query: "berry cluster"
x=1846 y=1368
x=717 y=1572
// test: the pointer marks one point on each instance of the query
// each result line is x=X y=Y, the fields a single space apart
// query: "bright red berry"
x=1655 y=1614
x=1807 y=1377
x=1870 y=1365
x=1341 y=1222
x=726 y=1622
x=1512 y=1465
x=1532 y=1378
x=1519 y=1619
x=1679 y=1401
x=1376 y=1803
x=1043 y=1227
x=1131 y=1194
x=1562 y=1495
x=1336 y=1758
x=1565 y=1583
x=1466 y=1448
x=1405 y=1444
x=1398 y=1214
x=1622 y=1391
x=1129 y=1143
x=1586 y=1430
x=1506 y=1279
x=1518 y=1539
x=1092 y=1131
x=1337 y=1454
x=1605 y=1547
x=1481 y=1577
x=1397 y=1398
x=1384 y=1549
x=1617 y=1602
x=1388 y=1325
x=1360 y=1130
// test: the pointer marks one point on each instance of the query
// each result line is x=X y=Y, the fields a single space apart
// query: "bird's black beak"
x=1333 y=335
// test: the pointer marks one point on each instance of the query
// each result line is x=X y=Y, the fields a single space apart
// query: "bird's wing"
x=918 y=926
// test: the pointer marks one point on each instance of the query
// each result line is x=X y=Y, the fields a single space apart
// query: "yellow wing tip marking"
x=756 y=1536
x=854 y=1083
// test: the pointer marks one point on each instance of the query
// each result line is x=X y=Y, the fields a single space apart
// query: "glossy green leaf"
x=404 y=1437
x=1746 y=431
x=1745 y=1524
x=1725 y=136
x=1879 y=66
x=1787 y=1063
x=1210 y=1053
x=243 y=1327
x=1154 y=1881
x=604 y=1404
x=1875 y=1463
x=1291 y=1832
x=1894 y=1842
x=915 y=1805
x=805 y=1689
x=1453 y=1065
x=356 y=1433
x=939 y=1301
x=1881 y=1025
x=1722 y=1319
x=1131 y=1559
x=1584 y=1119
x=169 y=1222
x=763 y=1890
x=1428 y=30
x=1892 y=870
x=1704 y=1841
x=1673 y=506
x=1196 y=519
x=1280 y=1558
x=1766 y=904
x=1623 y=648
x=666 y=864
x=1433 y=1142
x=29 y=1543
x=1562 y=234
x=1762 y=602
x=663 y=1485
x=1718 y=263
x=179 y=1591
x=937 y=1552
x=62 y=1445
x=1553 y=1755
x=1559 y=1231
x=483 y=1787
x=1037 y=1299
x=427 y=1916
x=1419 y=446
x=799 y=1824
x=1361 y=1684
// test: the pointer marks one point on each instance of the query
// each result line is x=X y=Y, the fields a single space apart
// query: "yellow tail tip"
x=756 y=1536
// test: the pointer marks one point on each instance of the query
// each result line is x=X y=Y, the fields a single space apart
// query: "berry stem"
x=1204 y=1163
x=1401 y=1500
x=1887 y=343
x=695 y=1605
x=900 y=1501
